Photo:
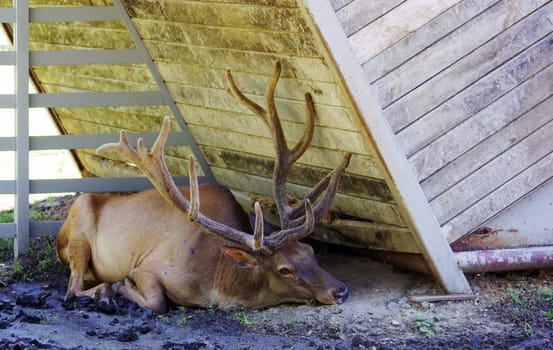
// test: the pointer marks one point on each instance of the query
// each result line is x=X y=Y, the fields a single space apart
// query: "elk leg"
x=79 y=257
x=80 y=276
x=146 y=291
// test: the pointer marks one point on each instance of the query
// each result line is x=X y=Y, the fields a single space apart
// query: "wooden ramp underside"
x=192 y=43
x=467 y=88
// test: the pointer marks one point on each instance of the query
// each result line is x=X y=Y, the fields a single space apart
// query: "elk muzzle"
x=336 y=294
x=340 y=295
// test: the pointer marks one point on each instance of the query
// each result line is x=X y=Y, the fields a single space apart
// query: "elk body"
x=194 y=245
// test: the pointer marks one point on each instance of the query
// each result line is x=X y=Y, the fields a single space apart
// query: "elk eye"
x=284 y=271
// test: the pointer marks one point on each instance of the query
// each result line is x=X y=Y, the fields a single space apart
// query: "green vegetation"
x=6 y=216
x=46 y=257
x=244 y=317
x=425 y=324
x=531 y=307
x=522 y=307
x=6 y=249
x=6 y=244
x=292 y=322
x=40 y=263
x=163 y=318
x=17 y=271
x=181 y=321
x=333 y=323
x=34 y=215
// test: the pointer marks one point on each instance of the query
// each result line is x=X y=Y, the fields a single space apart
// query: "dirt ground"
x=511 y=311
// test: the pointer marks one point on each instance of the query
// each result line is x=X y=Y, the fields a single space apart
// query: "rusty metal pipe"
x=505 y=259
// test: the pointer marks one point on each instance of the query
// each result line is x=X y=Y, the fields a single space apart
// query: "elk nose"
x=341 y=294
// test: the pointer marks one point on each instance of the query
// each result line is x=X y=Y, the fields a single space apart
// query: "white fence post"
x=21 y=41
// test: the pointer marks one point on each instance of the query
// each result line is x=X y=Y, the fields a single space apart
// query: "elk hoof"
x=103 y=299
x=115 y=287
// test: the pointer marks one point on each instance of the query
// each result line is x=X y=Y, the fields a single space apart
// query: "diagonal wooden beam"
x=164 y=90
x=415 y=209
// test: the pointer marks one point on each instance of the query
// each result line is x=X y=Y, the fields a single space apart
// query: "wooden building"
x=445 y=107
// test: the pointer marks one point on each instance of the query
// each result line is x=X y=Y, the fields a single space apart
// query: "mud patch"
x=512 y=311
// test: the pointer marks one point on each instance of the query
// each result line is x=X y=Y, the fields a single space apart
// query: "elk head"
x=264 y=269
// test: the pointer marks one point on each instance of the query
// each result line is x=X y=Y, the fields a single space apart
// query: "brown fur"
x=144 y=241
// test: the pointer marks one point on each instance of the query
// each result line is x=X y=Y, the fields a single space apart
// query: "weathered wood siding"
x=97 y=78
x=467 y=87
x=192 y=44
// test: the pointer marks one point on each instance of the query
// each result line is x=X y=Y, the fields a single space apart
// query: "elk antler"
x=153 y=165
x=285 y=157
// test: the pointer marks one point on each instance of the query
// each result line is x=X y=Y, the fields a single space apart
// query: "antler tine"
x=254 y=107
x=122 y=147
x=291 y=218
x=285 y=157
x=273 y=119
x=329 y=184
x=153 y=165
x=276 y=240
x=308 y=132
x=258 y=235
x=194 y=190
x=284 y=163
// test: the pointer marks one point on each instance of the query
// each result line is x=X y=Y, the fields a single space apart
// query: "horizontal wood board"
x=467 y=90
x=192 y=44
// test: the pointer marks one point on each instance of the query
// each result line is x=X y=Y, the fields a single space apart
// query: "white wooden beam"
x=79 y=141
x=91 y=184
x=96 y=99
x=7 y=101
x=401 y=179
x=7 y=143
x=7 y=58
x=100 y=184
x=6 y=15
x=163 y=89
x=7 y=230
x=78 y=57
x=7 y=186
x=21 y=40
x=73 y=14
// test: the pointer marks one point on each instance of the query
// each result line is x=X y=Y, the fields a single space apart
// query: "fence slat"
x=78 y=57
x=73 y=14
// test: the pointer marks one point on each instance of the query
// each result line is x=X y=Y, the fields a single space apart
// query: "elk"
x=166 y=244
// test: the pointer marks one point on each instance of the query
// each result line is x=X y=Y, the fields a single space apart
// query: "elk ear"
x=240 y=257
